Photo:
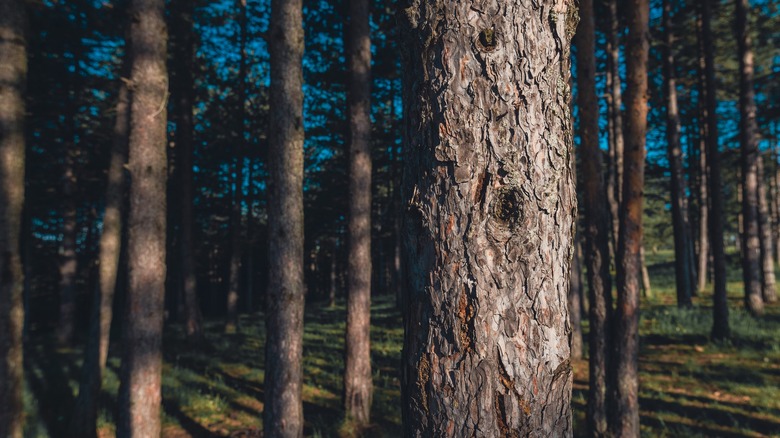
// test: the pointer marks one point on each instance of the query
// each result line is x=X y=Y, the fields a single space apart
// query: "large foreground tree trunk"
x=283 y=412
x=626 y=325
x=357 y=370
x=489 y=227
x=140 y=396
x=682 y=238
x=13 y=74
x=720 y=323
x=596 y=222
x=84 y=419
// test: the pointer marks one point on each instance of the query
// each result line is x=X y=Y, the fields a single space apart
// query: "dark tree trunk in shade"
x=283 y=413
x=139 y=395
x=13 y=75
x=616 y=112
x=720 y=323
x=768 y=281
x=748 y=130
x=183 y=95
x=575 y=301
x=68 y=260
x=489 y=223
x=776 y=193
x=357 y=371
x=596 y=222
x=239 y=145
x=678 y=189
x=626 y=325
x=84 y=419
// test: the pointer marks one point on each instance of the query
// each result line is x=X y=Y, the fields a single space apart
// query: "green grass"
x=689 y=386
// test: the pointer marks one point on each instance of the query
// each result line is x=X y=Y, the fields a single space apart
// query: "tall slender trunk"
x=283 y=413
x=674 y=152
x=768 y=281
x=613 y=49
x=626 y=324
x=357 y=371
x=140 y=395
x=182 y=19
x=776 y=194
x=68 y=261
x=13 y=75
x=704 y=184
x=720 y=323
x=489 y=221
x=596 y=223
x=751 y=260
x=84 y=419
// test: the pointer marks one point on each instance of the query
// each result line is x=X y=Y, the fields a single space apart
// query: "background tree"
x=488 y=230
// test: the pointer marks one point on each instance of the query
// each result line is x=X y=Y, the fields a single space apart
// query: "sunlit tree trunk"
x=140 y=396
x=678 y=188
x=720 y=323
x=626 y=324
x=616 y=113
x=357 y=370
x=84 y=419
x=704 y=201
x=489 y=224
x=283 y=413
x=768 y=281
x=13 y=74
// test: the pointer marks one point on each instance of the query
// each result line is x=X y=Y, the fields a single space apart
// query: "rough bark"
x=626 y=342
x=84 y=419
x=678 y=189
x=768 y=281
x=283 y=413
x=751 y=250
x=596 y=222
x=357 y=371
x=488 y=232
x=183 y=55
x=720 y=323
x=13 y=74
x=140 y=396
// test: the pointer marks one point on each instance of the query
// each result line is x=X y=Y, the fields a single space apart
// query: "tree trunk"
x=575 y=300
x=647 y=290
x=84 y=419
x=357 y=371
x=139 y=397
x=626 y=324
x=704 y=200
x=768 y=282
x=616 y=108
x=720 y=323
x=682 y=239
x=283 y=413
x=13 y=75
x=68 y=260
x=182 y=17
x=488 y=231
x=596 y=222
x=751 y=260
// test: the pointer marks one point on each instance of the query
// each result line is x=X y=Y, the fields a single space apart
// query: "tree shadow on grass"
x=48 y=375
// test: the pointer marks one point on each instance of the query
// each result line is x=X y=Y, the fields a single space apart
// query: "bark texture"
x=768 y=280
x=720 y=323
x=678 y=189
x=357 y=372
x=626 y=324
x=283 y=413
x=488 y=232
x=140 y=396
x=13 y=74
x=182 y=23
x=596 y=222
x=84 y=419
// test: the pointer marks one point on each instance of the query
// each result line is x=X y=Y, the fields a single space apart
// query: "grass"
x=689 y=386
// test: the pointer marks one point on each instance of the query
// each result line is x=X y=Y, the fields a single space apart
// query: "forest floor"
x=689 y=386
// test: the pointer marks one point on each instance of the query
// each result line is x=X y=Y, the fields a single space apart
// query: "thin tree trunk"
x=751 y=260
x=140 y=396
x=720 y=324
x=489 y=219
x=184 y=152
x=678 y=187
x=575 y=302
x=613 y=49
x=768 y=281
x=776 y=194
x=357 y=371
x=704 y=200
x=596 y=223
x=84 y=419
x=626 y=324
x=68 y=259
x=647 y=290
x=13 y=75
x=333 y=275
x=283 y=413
